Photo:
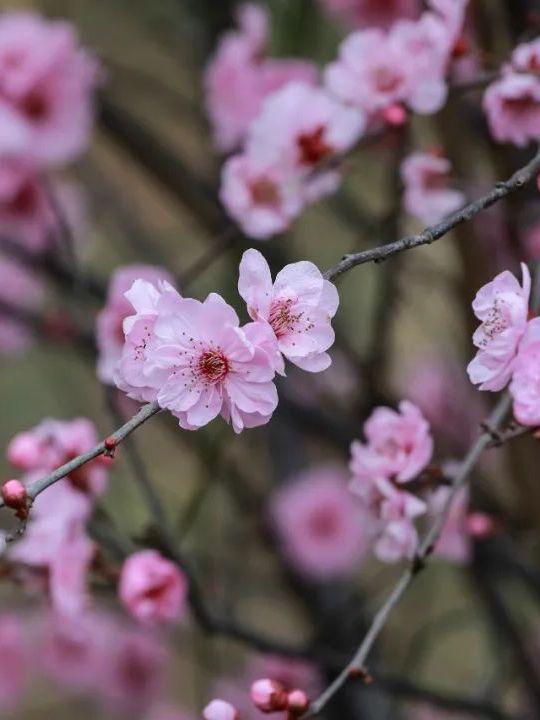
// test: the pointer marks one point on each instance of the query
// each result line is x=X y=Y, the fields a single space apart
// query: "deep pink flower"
x=263 y=199
x=109 y=326
x=525 y=385
x=427 y=194
x=512 y=107
x=13 y=661
x=320 y=529
x=46 y=85
x=53 y=443
x=152 y=588
x=399 y=444
x=502 y=306
x=298 y=306
x=220 y=710
x=239 y=77
x=268 y=695
x=369 y=13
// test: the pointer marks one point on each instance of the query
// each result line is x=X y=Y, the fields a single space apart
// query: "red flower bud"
x=15 y=496
x=110 y=446
x=297 y=702
x=268 y=696
x=395 y=115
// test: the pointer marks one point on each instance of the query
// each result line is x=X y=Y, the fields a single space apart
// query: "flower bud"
x=395 y=115
x=297 y=702
x=220 y=710
x=480 y=525
x=15 y=496
x=268 y=696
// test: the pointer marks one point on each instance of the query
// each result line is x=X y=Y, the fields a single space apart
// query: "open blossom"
x=239 y=77
x=427 y=194
x=512 y=107
x=46 y=84
x=321 y=531
x=263 y=199
x=152 y=588
x=298 y=306
x=52 y=443
x=502 y=306
x=526 y=57
x=109 y=325
x=399 y=444
x=525 y=385
x=369 y=13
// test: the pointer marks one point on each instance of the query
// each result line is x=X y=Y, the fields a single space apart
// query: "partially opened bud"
x=220 y=710
x=480 y=525
x=297 y=702
x=268 y=696
x=15 y=496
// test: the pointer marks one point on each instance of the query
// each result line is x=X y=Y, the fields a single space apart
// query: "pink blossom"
x=268 y=695
x=152 y=588
x=526 y=57
x=13 y=662
x=263 y=199
x=525 y=385
x=399 y=444
x=52 y=443
x=220 y=710
x=396 y=537
x=502 y=306
x=320 y=529
x=397 y=541
x=298 y=306
x=68 y=570
x=109 y=326
x=512 y=107
x=46 y=84
x=369 y=13
x=454 y=543
x=21 y=290
x=239 y=77
x=427 y=195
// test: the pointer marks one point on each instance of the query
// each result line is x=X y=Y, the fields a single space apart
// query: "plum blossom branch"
x=501 y=190
x=356 y=664
x=104 y=447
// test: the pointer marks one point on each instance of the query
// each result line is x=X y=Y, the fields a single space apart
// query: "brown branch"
x=435 y=232
x=356 y=664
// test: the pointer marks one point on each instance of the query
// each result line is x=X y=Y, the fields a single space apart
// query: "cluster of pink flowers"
x=55 y=551
x=369 y=13
x=512 y=102
x=195 y=359
x=293 y=144
x=427 y=194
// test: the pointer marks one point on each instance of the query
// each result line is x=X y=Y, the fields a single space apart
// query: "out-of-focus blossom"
x=531 y=242
x=321 y=531
x=239 y=77
x=512 y=107
x=109 y=325
x=152 y=588
x=13 y=661
x=68 y=570
x=21 y=291
x=46 y=87
x=52 y=443
x=454 y=543
x=220 y=710
x=525 y=385
x=399 y=444
x=369 y=13
x=526 y=57
x=502 y=306
x=298 y=306
x=398 y=540
x=427 y=194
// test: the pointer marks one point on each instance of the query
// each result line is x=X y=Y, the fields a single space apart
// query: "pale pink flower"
x=109 y=324
x=526 y=57
x=13 y=661
x=220 y=710
x=19 y=289
x=152 y=588
x=298 y=306
x=525 y=385
x=212 y=367
x=370 y=13
x=239 y=77
x=300 y=127
x=512 y=107
x=263 y=199
x=454 y=543
x=47 y=83
x=427 y=194
x=52 y=443
x=68 y=570
x=320 y=529
x=502 y=306
x=397 y=541
x=399 y=444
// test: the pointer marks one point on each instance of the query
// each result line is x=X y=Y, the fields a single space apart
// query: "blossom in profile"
x=152 y=588
x=428 y=195
x=525 y=384
x=321 y=532
x=512 y=107
x=502 y=306
x=298 y=306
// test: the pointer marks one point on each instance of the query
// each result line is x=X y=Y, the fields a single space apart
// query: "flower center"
x=495 y=323
x=213 y=366
x=264 y=192
x=386 y=80
x=323 y=523
x=281 y=318
x=24 y=200
x=313 y=147
x=521 y=105
x=35 y=106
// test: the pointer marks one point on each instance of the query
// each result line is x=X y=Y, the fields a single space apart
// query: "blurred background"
x=465 y=642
